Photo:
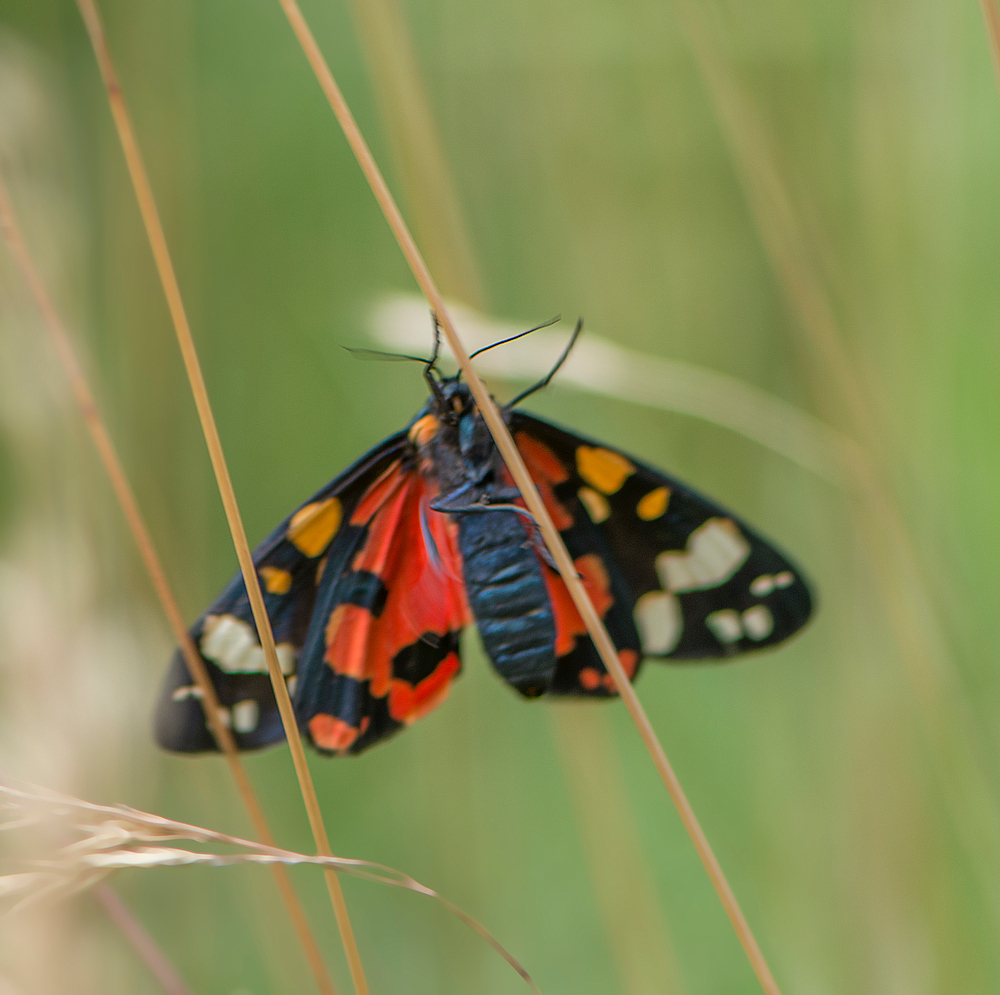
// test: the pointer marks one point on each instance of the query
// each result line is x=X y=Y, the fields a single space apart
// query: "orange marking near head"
x=423 y=430
x=569 y=624
x=408 y=703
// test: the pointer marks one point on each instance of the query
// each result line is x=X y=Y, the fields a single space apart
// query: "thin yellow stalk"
x=637 y=931
x=171 y=289
x=512 y=457
x=130 y=509
x=991 y=16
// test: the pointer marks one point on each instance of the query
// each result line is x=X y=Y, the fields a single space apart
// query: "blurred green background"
x=803 y=196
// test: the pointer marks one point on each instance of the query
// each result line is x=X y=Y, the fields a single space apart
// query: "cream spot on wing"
x=715 y=551
x=658 y=618
x=314 y=525
x=231 y=645
x=292 y=684
x=725 y=625
x=225 y=717
x=758 y=622
x=762 y=586
x=653 y=504
x=276 y=580
x=596 y=504
x=246 y=714
x=191 y=691
x=785 y=579
x=603 y=469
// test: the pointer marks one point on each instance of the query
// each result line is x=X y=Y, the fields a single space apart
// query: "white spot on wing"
x=715 y=551
x=245 y=715
x=758 y=622
x=765 y=583
x=231 y=644
x=725 y=625
x=190 y=691
x=658 y=618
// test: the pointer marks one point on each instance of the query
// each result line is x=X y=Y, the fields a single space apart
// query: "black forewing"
x=289 y=563
x=720 y=590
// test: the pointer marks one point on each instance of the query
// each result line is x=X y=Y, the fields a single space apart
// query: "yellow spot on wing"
x=276 y=580
x=653 y=504
x=423 y=430
x=313 y=526
x=596 y=504
x=603 y=469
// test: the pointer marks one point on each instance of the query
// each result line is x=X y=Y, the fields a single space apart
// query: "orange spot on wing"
x=333 y=734
x=276 y=580
x=569 y=624
x=408 y=703
x=546 y=471
x=377 y=494
x=590 y=678
x=541 y=460
x=630 y=660
x=313 y=526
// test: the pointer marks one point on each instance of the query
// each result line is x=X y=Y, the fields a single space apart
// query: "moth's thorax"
x=452 y=443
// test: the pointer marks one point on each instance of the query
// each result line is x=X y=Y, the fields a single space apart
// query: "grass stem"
x=171 y=289
x=512 y=457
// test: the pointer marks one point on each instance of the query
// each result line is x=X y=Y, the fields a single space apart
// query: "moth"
x=370 y=582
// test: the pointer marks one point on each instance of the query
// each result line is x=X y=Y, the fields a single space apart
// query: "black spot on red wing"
x=420 y=659
x=363 y=589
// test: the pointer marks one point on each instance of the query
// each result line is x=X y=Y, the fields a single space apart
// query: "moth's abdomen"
x=508 y=597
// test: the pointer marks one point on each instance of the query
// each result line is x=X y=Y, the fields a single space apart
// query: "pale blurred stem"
x=171 y=289
x=991 y=16
x=416 y=146
x=145 y=947
x=512 y=457
x=108 y=455
x=947 y=719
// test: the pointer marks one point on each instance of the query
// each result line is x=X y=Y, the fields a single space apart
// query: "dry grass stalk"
x=947 y=718
x=991 y=18
x=116 y=837
x=130 y=509
x=512 y=457
x=171 y=289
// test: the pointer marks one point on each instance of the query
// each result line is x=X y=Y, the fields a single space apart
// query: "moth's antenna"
x=520 y=335
x=544 y=382
x=429 y=368
x=390 y=357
